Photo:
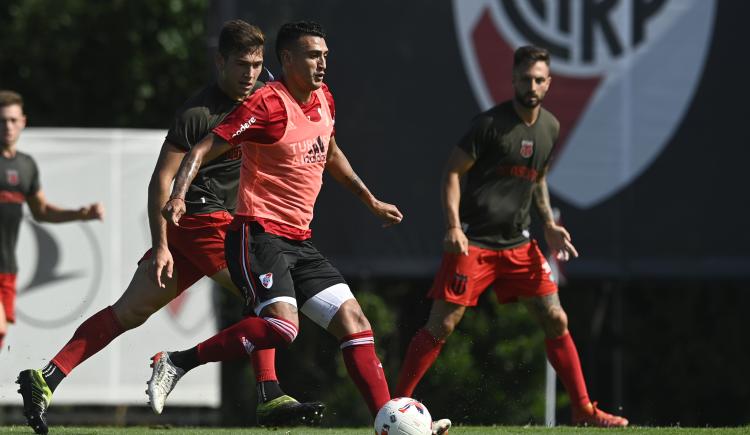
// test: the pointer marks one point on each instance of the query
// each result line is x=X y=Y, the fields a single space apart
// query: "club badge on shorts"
x=527 y=148
x=266 y=280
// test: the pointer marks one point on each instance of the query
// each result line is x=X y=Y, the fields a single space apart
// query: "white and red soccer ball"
x=403 y=416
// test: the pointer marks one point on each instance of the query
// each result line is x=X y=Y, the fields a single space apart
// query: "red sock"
x=422 y=353
x=244 y=337
x=563 y=356
x=365 y=369
x=2 y=337
x=264 y=365
x=93 y=335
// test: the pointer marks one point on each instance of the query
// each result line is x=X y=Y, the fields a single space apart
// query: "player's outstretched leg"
x=36 y=398
x=232 y=343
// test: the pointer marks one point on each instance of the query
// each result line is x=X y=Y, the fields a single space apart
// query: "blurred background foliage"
x=116 y=63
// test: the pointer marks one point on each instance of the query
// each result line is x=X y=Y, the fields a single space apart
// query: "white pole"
x=550 y=388
x=550 y=396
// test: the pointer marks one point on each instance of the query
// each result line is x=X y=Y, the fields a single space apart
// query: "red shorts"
x=8 y=295
x=197 y=247
x=517 y=272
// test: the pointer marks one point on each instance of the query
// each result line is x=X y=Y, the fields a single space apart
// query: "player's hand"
x=558 y=241
x=387 y=212
x=93 y=211
x=456 y=242
x=173 y=210
x=160 y=265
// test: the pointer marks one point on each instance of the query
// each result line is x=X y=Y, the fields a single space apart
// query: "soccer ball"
x=403 y=416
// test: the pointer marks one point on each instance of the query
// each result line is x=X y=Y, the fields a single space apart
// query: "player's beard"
x=525 y=100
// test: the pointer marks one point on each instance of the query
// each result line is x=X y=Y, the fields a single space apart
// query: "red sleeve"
x=331 y=105
x=261 y=118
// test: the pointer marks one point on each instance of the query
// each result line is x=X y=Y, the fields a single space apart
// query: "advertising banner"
x=68 y=272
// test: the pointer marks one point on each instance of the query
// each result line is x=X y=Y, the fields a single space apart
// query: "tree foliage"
x=119 y=63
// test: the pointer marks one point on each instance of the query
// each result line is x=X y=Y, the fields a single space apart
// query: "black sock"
x=52 y=375
x=185 y=359
x=268 y=390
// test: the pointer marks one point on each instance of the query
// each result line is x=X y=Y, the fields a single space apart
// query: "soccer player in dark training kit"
x=287 y=138
x=181 y=255
x=19 y=183
x=504 y=157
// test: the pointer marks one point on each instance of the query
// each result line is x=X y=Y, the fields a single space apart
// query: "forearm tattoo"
x=188 y=170
x=356 y=185
x=541 y=198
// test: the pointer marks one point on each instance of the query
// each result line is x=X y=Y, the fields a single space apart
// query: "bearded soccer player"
x=182 y=255
x=287 y=138
x=19 y=183
x=504 y=157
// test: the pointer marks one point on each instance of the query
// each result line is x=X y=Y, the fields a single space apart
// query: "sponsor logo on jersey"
x=266 y=280
x=524 y=172
x=317 y=152
x=309 y=151
x=244 y=126
x=248 y=345
x=11 y=176
x=527 y=148
x=613 y=109
x=233 y=154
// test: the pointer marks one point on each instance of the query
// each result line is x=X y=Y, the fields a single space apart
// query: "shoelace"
x=167 y=377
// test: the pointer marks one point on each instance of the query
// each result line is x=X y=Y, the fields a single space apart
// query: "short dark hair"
x=238 y=36
x=289 y=33
x=9 y=98
x=530 y=54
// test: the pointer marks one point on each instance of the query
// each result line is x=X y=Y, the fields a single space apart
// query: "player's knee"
x=442 y=324
x=556 y=322
x=349 y=319
x=132 y=317
x=447 y=326
x=286 y=329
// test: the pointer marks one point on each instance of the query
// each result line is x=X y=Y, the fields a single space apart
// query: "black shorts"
x=268 y=267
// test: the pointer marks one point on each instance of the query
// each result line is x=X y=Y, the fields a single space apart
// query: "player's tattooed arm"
x=161 y=264
x=208 y=148
x=557 y=237
x=338 y=166
x=341 y=170
x=542 y=201
x=459 y=162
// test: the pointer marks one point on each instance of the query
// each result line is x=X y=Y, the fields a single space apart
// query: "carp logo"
x=623 y=75
x=527 y=148
x=11 y=176
x=266 y=280
x=48 y=269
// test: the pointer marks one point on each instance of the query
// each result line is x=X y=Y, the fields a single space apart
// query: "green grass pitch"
x=459 y=430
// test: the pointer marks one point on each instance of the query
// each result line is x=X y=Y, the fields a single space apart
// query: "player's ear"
x=286 y=57
x=220 y=61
